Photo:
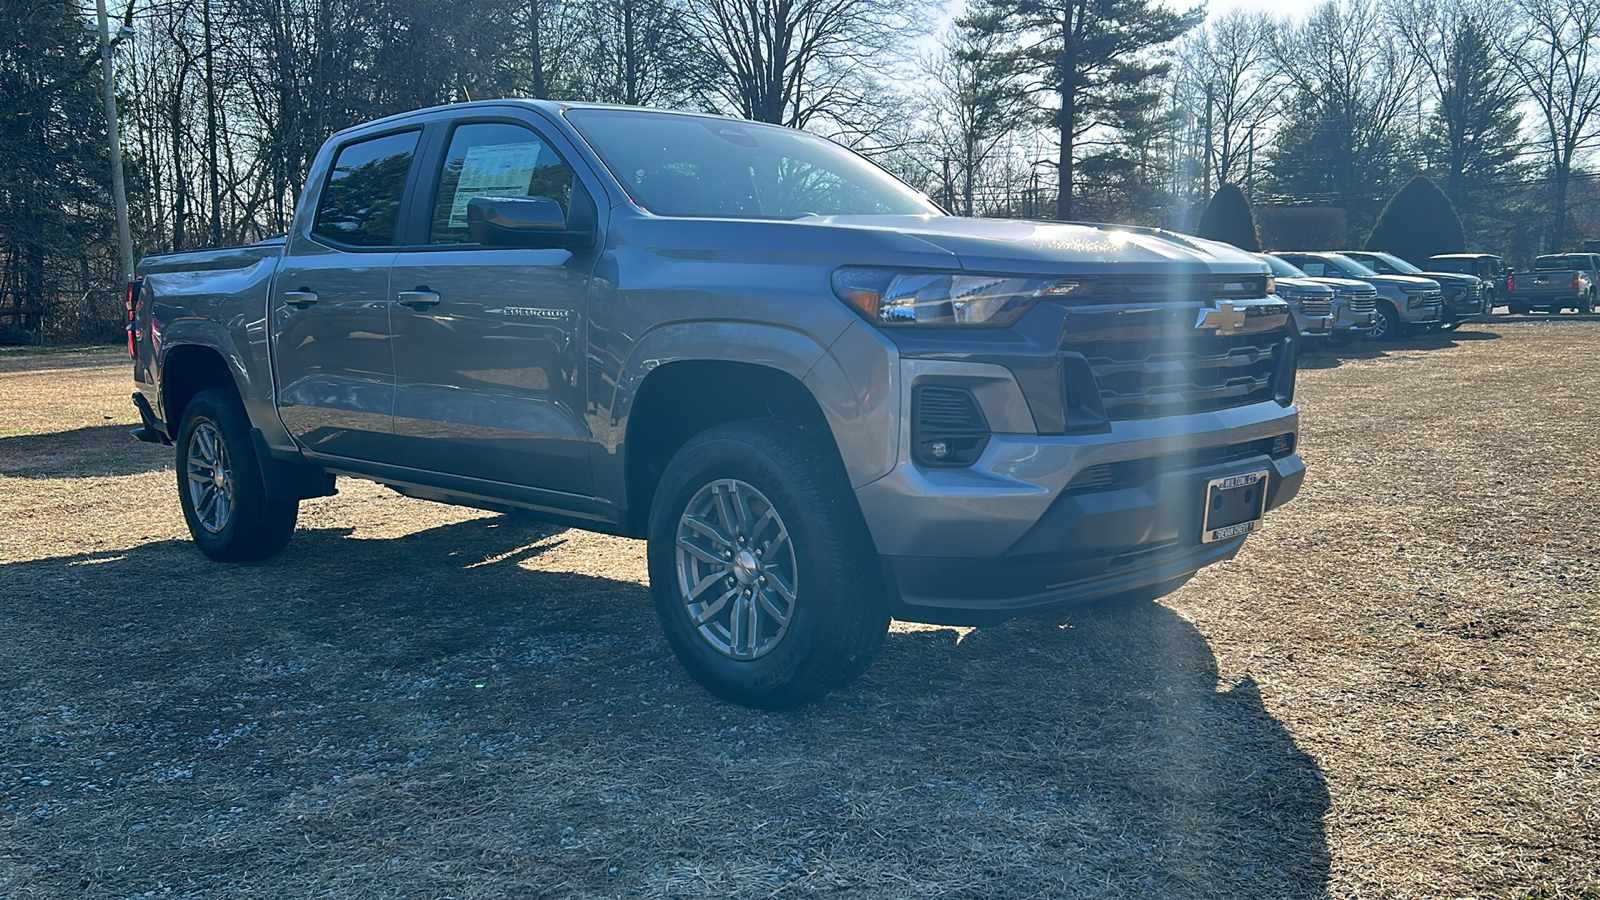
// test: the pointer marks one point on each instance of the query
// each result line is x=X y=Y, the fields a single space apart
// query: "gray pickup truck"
x=1556 y=282
x=822 y=401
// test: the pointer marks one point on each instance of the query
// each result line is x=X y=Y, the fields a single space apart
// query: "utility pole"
x=949 y=194
x=1205 y=156
x=118 y=195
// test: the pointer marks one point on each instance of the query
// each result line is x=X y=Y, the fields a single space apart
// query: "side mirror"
x=531 y=222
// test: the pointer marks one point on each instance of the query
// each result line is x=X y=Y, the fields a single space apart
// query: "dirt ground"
x=1394 y=691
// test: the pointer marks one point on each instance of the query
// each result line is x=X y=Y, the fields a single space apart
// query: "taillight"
x=131 y=302
x=1574 y=280
x=1511 y=283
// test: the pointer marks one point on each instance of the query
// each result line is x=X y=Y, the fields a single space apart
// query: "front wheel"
x=224 y=499
x=761 y=567
x=1386 y=324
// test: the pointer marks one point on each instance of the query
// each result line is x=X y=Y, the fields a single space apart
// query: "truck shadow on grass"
x=1328 y=356
x=94 y=451
x=463 y=711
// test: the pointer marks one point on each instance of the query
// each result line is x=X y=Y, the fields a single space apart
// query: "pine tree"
x=1475 y=139
x=1090 y=65
x=1228 y=218
x=1419 y=222
x=54 y=200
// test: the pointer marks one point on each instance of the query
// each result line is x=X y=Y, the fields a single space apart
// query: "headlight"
x=1417 y=289
x=896 y=297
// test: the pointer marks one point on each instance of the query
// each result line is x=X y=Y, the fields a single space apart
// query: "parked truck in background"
x=822 y=401
x=1404 y=303
x=1463 y=294
x=1353 y=305
x=1491 y=269
x=1557 y=282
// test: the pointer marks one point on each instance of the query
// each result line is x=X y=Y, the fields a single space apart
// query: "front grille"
x=1361 y=301
x=1317 y=307
x=1143 y=379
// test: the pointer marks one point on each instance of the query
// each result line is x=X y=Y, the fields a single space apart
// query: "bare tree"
x=1227 y=65
x=972 y=107
x=1552 y=56
x=638 y=52
x=790 y=62
x=1345 y=133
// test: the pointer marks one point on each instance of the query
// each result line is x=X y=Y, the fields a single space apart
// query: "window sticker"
x=495 y=170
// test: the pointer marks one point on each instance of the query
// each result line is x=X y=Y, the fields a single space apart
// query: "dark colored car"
x=1491 y=269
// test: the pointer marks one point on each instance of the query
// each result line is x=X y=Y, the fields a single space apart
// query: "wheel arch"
x=186 y=370
x=680 y=399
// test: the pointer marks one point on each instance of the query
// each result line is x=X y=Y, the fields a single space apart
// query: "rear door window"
x=494 y=159
x=360 y=204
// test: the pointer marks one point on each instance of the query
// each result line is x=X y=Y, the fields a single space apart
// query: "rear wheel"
x=1518 y=309
x=761 y=567
x=224 y=499
x=1386 y=324
x=1586 y=304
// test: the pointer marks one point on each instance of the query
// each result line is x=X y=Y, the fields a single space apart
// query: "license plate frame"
x=1235 y=505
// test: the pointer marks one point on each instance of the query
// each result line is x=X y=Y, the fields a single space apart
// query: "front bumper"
x=1313 y=326
x=1346 y=319
x=1464 y=309
x=1018 y=532
x=1431 y=314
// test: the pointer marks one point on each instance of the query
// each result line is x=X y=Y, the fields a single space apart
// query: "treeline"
x=1119 y=110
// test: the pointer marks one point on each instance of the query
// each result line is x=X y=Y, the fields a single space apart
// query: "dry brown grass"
x=1392 y=692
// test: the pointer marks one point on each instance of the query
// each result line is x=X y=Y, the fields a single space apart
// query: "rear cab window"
x=494 y=159
x=360 y=203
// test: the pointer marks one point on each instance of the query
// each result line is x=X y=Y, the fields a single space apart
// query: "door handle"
x=300 y=299
x=418 y=300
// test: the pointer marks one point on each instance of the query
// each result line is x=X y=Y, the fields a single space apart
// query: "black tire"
x=1386 y=324
x=1490 y=301
x=837 y=615
x=230 y=515
x=1585 y=304
x=1516 y=309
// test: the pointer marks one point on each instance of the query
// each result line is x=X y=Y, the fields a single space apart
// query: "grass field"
x=1394 y=691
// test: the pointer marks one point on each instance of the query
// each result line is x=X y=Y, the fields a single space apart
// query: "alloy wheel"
x=210 y=478
x=736 y=567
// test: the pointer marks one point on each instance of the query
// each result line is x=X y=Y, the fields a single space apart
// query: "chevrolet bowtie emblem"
x=1225 y=319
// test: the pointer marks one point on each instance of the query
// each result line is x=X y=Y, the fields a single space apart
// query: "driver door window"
x=494 y=159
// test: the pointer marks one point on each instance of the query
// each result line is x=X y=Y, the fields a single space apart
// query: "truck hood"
x=1452 y=279
x=1306 y=286
x=1340 y=285
x=1049 y=248
x=1403 y=281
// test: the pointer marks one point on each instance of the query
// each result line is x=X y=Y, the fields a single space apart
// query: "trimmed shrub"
x=1228 y=218
x=1419 y=222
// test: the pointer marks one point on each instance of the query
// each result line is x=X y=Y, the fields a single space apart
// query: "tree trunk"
x=212 y=165
x=534 y=59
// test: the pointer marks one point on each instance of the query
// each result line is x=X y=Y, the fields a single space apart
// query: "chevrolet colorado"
x=823 y=401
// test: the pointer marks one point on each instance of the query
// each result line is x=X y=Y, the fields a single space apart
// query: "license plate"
x=1235 y=506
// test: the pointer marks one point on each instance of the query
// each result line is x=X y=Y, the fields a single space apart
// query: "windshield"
x=1398 y=264
x=701 y=166
x=1349 y=266
x=1280 y=268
